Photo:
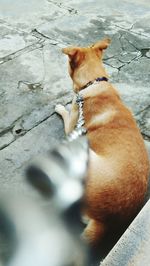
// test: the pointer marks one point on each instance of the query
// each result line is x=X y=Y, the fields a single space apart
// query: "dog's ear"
x=71 y=51
x=75 y=55
x=103 y=44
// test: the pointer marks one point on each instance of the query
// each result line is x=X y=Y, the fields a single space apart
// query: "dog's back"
x=119 y=163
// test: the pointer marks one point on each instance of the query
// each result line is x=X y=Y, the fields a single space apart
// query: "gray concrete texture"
x=33 y=72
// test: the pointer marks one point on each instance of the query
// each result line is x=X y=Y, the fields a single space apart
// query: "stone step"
x=133 y=248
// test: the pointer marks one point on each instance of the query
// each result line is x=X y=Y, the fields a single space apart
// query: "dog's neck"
x=87 y=74
x=95 y=89
x=95 y=81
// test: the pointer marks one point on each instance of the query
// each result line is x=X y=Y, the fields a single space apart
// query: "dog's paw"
x=60 y=109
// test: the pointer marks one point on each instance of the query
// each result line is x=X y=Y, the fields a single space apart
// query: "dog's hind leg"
x=61 y=110
x=94 y=232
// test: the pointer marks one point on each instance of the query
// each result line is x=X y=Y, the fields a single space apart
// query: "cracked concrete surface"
x=33 y=72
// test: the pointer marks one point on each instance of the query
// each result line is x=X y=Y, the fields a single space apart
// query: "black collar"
x=95 y=80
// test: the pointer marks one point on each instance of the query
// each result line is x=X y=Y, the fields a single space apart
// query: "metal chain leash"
x=79 y=130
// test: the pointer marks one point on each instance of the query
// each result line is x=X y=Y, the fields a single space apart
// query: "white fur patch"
x=103 y=118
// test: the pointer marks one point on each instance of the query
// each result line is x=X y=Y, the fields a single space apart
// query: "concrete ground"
x=33 y=71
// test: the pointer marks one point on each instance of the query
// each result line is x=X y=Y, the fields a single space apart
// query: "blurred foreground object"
x=49 y=235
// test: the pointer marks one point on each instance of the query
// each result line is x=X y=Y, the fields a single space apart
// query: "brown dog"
x=119 y=166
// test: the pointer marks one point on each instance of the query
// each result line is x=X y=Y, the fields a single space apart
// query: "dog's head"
x=85 y=64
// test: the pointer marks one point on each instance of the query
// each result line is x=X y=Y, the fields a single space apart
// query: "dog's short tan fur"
x=119 y=166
